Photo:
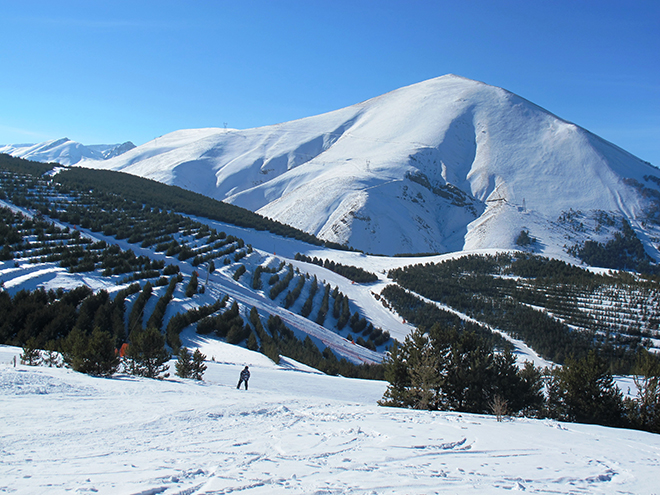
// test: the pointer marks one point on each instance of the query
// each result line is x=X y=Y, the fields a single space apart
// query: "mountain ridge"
x=65 y=151
x=442 y=165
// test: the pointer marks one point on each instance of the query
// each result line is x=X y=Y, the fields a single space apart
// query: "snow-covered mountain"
x=65 y=151
x=444 y=165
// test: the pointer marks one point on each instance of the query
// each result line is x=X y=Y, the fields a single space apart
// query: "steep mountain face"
x=65 y=151
x=443 y=165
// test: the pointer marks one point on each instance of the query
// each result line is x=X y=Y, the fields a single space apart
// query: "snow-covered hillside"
x=269 y=250
x=65 y=151
x=443 y=165
x=293 y=431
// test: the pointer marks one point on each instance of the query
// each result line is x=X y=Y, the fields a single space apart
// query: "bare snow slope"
x=443 y=165
x=292 y=432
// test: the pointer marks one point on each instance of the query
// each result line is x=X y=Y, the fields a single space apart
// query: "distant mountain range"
x=447 y=164
x=65 y=151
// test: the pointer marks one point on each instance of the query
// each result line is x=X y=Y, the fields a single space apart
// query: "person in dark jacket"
x=245 y=376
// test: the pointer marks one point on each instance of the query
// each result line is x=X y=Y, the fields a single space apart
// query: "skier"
x=245 y=376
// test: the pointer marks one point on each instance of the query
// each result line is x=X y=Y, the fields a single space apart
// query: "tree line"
x=447 y=370
x=177 y=199
x=354 y=273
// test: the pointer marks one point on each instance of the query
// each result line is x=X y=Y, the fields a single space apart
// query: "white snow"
x=291 y=432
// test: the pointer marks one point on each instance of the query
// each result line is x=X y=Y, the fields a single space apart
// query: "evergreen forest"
x=59 y=212
x=562 y=311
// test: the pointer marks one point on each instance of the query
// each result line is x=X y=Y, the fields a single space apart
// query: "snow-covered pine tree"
x=52 y=358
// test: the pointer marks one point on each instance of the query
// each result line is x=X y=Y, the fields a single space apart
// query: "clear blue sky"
x=112 y=71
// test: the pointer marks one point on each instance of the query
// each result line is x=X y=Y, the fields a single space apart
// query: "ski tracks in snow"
x=63 y=432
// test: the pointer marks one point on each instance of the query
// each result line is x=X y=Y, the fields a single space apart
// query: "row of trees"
x=443 y=369
x=171 y=197
x=625 y=251
x=353 y=273
x=280 y=340
x=99 y=207
x=113 y=215
x=96 y=355
x=340 y=305
x=505 y=292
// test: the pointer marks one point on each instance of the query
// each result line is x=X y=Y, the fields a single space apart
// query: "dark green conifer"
x=252 y=343
x=146 y=354
x=31 y=355
x=183 y=364
x=101 y=357
x=584 y=391
x=198 y=366
x=94 y=354
x=191 y=288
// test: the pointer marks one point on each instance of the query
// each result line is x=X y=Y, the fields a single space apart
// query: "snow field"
x=291 y=432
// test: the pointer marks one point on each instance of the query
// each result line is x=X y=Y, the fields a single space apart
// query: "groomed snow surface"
x=293 y=431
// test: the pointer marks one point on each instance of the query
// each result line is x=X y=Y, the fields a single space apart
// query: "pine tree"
x=644 y=409
x=414 y=372
x=146 y=354
x=101 y=356
x=135 y=317
x=425 y=379
x=345 y=314
x=252 y=343
x=52 y=358
x=469 y=374
x=184 y=363
x=94 y=355
x=103 y=317
x=198 y=366
x=74 y=347
x=191 y=288
x=531 y=400
x=31 y=355
x=584 y=391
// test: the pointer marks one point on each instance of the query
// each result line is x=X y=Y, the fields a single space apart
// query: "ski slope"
x=293 y=431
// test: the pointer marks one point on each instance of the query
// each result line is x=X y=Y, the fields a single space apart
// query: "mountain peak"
x=441 y=165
